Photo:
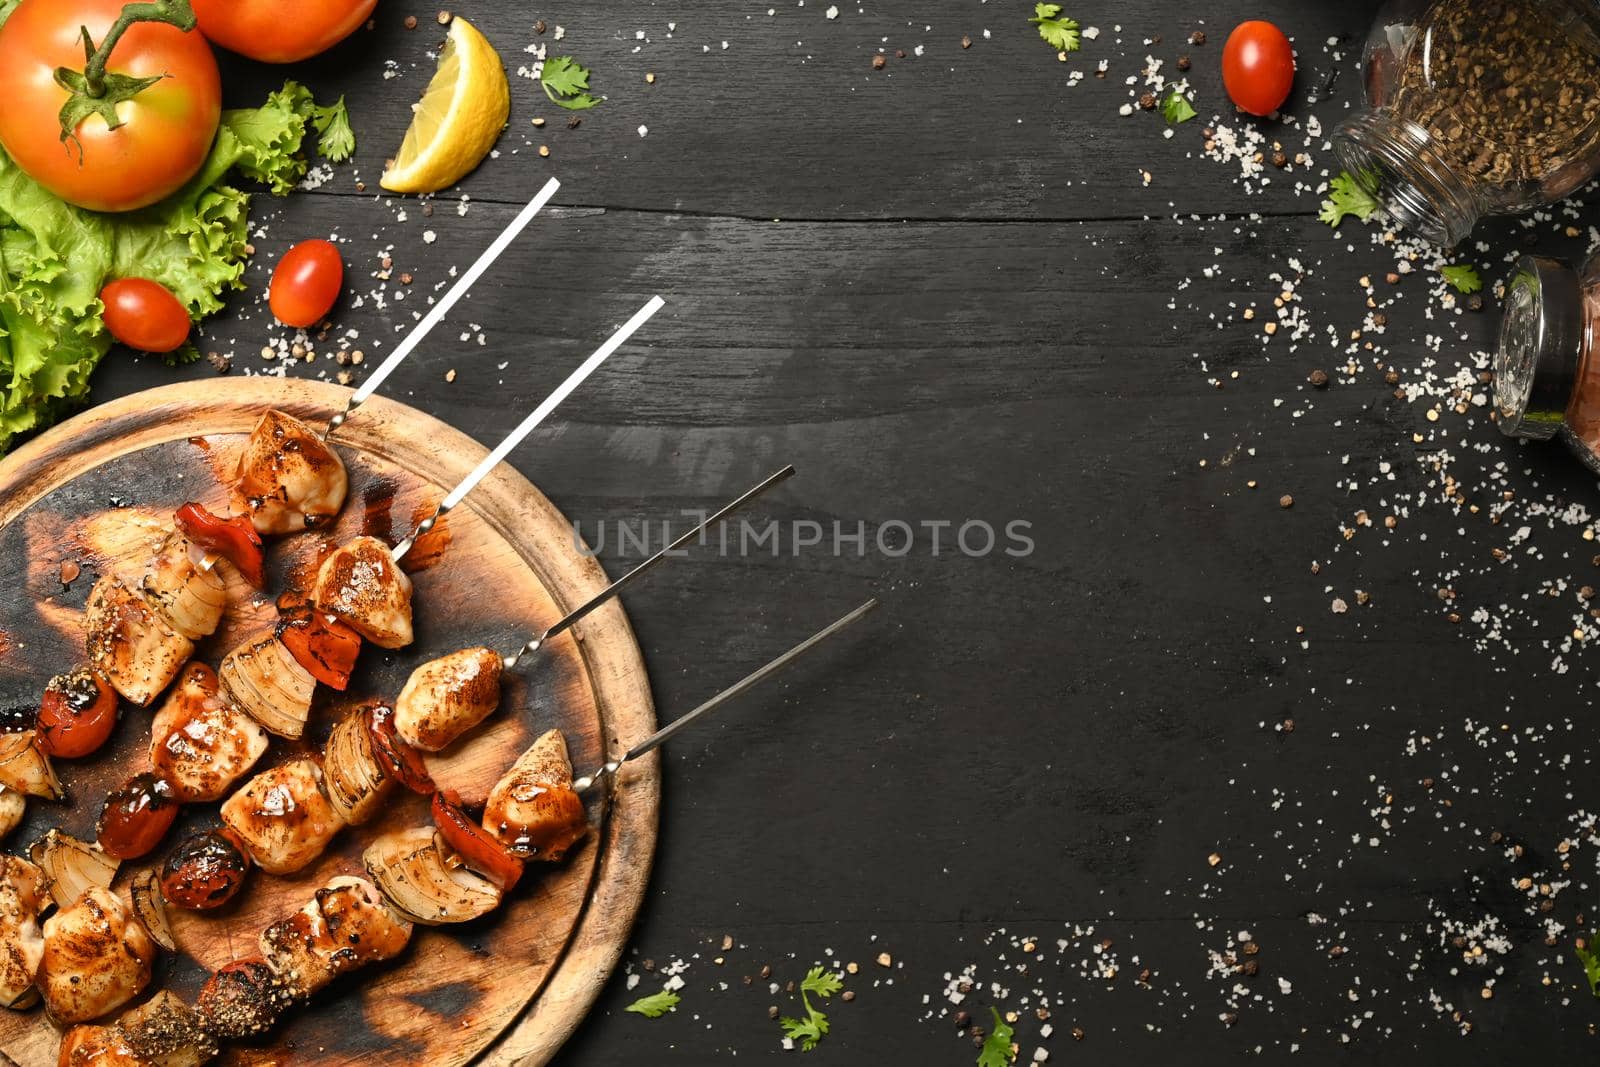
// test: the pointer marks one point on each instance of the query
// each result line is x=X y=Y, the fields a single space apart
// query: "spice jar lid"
x=1541 y=344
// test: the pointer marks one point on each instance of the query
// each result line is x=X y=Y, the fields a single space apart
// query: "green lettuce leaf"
x=55 y=258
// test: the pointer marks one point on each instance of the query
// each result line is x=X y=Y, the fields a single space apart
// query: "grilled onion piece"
x=363 y=585
x=355 y=780
x=145 y=893
x=281 y=816
x=345 y=926
x=73 y=866
x=162 y=1032
x=288 y=478
x=97 y=957
x=244 y=998
x=264 y=679
x=25 y=768
x=130 y=643
x=189 y=595
x=533 y=810
x=446 y=697
x=201 y=742
x=424 y=882
x=22 y=898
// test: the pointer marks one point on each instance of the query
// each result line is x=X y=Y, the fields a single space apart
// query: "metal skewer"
x=658 y=738
x=438 y=311
x=529 y=424
x=577 y=614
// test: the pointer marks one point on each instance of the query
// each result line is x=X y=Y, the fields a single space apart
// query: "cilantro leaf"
x=822 y=983
x=1463 y=276
x=336 y=141
x=655 y=1005
x=1589 y=956
x=814 y=1026
x=566 y=83
x=1176 y=108
x=996 y=1050
x=1346 y=196
x=1060 y=33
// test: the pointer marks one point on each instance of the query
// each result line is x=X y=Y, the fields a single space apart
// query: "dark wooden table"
x=964 y=288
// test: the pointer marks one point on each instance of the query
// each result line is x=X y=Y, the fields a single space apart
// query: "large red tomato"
x=161 y=85
x=280 y=31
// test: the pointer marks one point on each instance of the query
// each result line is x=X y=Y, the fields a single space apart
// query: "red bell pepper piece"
x=481 y=850
x=321 y=644
x=400 y=761
x=234 y=539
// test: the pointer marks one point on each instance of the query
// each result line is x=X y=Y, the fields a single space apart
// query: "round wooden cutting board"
x=507 y=989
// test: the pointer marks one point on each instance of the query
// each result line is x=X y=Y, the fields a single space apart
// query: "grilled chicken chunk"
x=162 y=1032
x=282 y=817
x=130 y=643
x=346 y=926
x=97 y=957
x=22 y=898
x=446 y=697
x=190 y=596
x=288 y=477
x=533 y=810
x=363 y=585
x=201 y=742
x=13 y=805
x=263 y=677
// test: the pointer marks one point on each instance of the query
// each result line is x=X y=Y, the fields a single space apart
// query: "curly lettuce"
x=55 y=258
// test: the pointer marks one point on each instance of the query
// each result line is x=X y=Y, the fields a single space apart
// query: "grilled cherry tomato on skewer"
x=123 y=129
x=144 y=315
x=136 y=817
x=323 y=645
x=205 y=870
x=400 y=761
x=77 y=714
x=234 y=539
x=476 y=846
x=306 y=283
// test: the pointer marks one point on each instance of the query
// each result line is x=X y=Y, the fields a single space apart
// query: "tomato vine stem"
x=97 y=91
x=170 y=12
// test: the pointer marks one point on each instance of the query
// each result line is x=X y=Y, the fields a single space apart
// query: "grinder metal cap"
x=1541 y=346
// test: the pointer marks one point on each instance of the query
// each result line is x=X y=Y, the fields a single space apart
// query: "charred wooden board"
x=505 y=564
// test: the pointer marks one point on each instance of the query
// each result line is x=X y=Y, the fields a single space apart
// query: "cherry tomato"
x=307 y=282
x=165 y=129
x=136 y=817
x=77 y=714
x=143 y=314
x=242 y=999
x=1258 y=67
x=321 y=644
x=234 y=539
x=280 y=31
x=477 y=847
x=205 y=870
x=400 y=761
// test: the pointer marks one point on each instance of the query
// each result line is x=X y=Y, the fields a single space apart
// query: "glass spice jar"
x=1476 y=107
x=1547 y=369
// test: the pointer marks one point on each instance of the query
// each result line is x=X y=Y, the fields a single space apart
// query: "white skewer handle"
x=439 y=310
x=529 y=424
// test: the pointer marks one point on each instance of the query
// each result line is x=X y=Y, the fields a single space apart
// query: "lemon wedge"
x=459 y=118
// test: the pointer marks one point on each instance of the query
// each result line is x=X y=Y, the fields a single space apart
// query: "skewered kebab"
x=207 y=735
x=352 y=922
x=284 y=817
x=142 y=625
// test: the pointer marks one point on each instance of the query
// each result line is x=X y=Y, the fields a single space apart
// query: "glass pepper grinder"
x=1546 y=372
x=1474 y=108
